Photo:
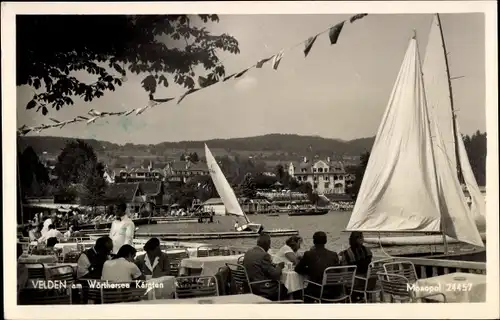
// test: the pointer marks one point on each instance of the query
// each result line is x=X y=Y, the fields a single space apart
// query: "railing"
x=427 y=268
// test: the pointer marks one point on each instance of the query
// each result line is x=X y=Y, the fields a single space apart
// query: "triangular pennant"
x=357 y=17
x=129 y=112
x=335 y=32
x=141 y=110
x=242 y=73
x=163 y=100
x=309 y=44
x=229 y=77
x=277 y=60
x=186 y=93
x=92 y=120
x=260 y=63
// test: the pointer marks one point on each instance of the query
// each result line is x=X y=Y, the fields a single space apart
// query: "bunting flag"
x=309 y=44
x=334 y=32
x=203 y=82
x=277 y=60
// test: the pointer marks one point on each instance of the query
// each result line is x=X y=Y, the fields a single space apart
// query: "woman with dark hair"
x=288 y=252
x=154 y=263
x=357 y=254
x=122 y=268
x=91 y=261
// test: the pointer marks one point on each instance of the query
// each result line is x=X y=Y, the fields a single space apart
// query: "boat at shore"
x=310 y=212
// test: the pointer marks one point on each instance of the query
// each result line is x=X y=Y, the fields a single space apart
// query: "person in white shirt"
x=288 y=252
x=122 y=228
x=52 y=233
x=68 y=233
x=122 y=267
x=50 y=220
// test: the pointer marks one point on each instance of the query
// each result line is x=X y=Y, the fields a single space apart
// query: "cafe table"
x=292 y=281
x=232 y=299
x=209 y=265
x=35 y=258
x=457 y=287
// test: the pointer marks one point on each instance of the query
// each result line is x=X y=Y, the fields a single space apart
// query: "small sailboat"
x=409 y=185
x=227 y=194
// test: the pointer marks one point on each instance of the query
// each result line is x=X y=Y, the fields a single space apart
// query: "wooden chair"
x=370 y=283
x=36 y=273
x=196 y=286
x=63 y=273
x=241 y=280
x=402 y=268
x=127 y=293
x=396 y=286
x=342 y=276
x=175 y=262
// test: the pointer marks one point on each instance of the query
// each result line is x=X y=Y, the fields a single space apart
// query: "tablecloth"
x=34 y=258
x=208 y=265
x=292 y=280
x=164 y=289
x=233 y=299
x=457 y=287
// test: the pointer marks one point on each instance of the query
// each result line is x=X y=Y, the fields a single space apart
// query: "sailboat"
x=410 y=186
x=228 y=196
x=439 y=99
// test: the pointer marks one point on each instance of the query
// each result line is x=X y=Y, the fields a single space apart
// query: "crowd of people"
x=261 y=267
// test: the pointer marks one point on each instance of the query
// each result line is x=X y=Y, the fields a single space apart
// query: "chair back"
x=127 y=292
x=72 y=256
x=202 y=251
x=37 y=272
x=239 y=277
x=196 y=286
x=63 y=273
x=175 y=262
x=395 y=285
x=340 y=275
x=224 y=251
x=402 y=268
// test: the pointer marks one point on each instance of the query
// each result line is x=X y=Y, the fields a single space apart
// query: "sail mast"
x=453 y=115
x=445 y=240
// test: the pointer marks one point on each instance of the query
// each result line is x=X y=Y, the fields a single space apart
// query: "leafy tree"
x=33 y=176
x=262 y=181
x=93 y=189
x=193 y=157
x=247 y=188
x=359 y=173
x=74 y=161
x=110 y=47
x=475 y=146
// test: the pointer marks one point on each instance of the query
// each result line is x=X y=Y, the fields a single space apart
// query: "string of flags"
x=93 y=115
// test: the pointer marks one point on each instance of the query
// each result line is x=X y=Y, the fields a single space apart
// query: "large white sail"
x=437 y=89
x=225 y=191
x=399 y=188
x=407 y=185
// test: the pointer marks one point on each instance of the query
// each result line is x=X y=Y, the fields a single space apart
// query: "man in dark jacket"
x=313 y=264
x=259 y=266
x=92 y=260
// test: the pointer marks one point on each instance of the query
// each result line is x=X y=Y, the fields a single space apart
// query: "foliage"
x=247 y=187
x=476 y=150
x=111 y=46
x=193 y=157
x=93 y=189
x=74 y=161
x=359 y=173
x=33 y=176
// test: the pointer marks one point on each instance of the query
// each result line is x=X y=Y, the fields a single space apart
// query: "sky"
x=339 y=91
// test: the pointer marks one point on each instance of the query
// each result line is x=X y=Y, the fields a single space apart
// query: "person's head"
x=319 y=239
x=356 y=239
x=51 y=226
x=264 y=241
x=294 y=243
x=35 y=227
x=152 y=246
x=126 y=251
x=104 y=245
x=121 y=209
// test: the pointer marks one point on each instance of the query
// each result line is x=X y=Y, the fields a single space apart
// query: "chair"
x=37 y=273
x=224 y=251
x=72 y=256
x=202 y=251
x=62 y=272
x=396 y=286
x=196 y=286
x=241 y=280
x=370 y=287
x=402 y=268
x=122 y=292
x=334 y=276
x=175 y=261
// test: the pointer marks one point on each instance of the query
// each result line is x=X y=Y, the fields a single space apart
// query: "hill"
x=290 y=144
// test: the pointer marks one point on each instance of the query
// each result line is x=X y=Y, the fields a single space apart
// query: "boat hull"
x=413 y=240
x=316 y=212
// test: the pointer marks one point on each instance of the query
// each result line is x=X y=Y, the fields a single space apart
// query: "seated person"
x=258 y=263
x=360 y=256
x=69 y=233
x=313 y=265
x=34 y=233
x=91 y=261
x=154 y=263
x=51 y=233
x=122 y=267
x=288 y=253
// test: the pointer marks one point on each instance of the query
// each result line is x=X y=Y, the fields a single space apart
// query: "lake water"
x=332 y=224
